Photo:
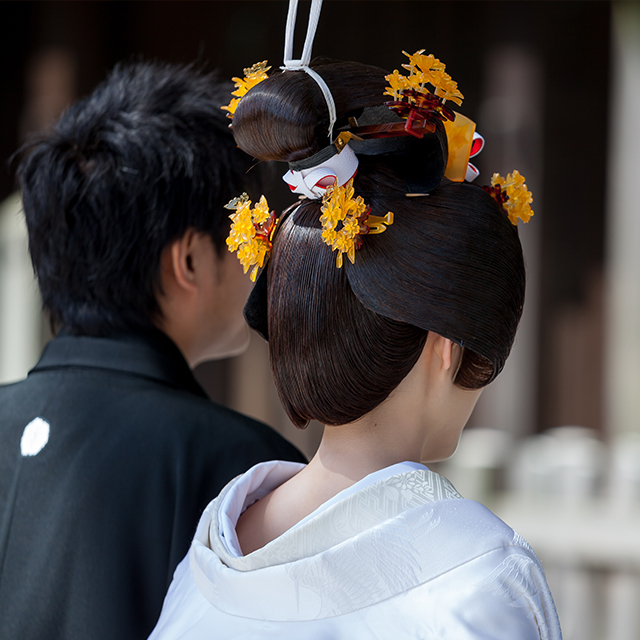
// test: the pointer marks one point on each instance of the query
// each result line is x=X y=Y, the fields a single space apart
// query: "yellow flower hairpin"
x=423 y=70
x=252 y=76
x=512 y=193
x=251 y=232
x=345 y=219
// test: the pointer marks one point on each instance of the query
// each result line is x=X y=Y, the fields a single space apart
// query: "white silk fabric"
x=395 y=556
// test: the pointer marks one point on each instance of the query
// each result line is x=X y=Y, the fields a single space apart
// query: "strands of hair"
x=341 y=340
x=332 y=358
x=287 y=118
x=123 y=173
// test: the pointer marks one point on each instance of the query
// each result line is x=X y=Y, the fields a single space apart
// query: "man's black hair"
x=122 y=174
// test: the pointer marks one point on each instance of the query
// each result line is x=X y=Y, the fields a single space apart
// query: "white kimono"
x=398 y=555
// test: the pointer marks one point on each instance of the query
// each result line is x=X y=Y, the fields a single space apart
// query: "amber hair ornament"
x=512 y=195
x=252 y=76
x=420 y=98
x=413 y=101
x=345 y=219
x=252 y=230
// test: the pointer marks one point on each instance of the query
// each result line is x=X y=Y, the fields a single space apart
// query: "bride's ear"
x=448 y=353
x=443 y=349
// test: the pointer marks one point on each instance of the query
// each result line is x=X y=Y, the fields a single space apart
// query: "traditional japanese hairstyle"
x=449 y=261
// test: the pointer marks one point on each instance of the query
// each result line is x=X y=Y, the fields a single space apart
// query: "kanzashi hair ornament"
x=251 y=232
x=421 y=108
x=252 y=76
x=413 y=101
x=512 y=195
x=346 y=219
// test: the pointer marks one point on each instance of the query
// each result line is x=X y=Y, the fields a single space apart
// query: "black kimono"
x=109 y=451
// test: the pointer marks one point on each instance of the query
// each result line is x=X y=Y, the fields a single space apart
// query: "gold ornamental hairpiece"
x=252 y=76
x=251 y=232
x=512 y=194
x=345 y=219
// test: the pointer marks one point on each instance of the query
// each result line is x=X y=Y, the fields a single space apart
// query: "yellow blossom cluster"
x=339 y=206
x=252 y=76
x=250 y=232
x=518 y=204
x=423 y=70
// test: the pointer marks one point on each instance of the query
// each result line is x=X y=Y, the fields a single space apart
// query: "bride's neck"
x=393 y=432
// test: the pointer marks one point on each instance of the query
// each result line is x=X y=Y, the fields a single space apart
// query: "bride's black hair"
x=341 y=340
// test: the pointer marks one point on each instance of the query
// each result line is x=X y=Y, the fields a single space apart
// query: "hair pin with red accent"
x=412 y=101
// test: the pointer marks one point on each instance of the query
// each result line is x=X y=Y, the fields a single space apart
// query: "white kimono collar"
x=393 y=489
x=413 y=526
x=264 y=477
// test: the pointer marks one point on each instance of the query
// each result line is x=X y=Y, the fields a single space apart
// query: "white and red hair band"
x=313 y=182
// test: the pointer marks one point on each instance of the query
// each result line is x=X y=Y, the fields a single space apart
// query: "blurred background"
x=554 y=444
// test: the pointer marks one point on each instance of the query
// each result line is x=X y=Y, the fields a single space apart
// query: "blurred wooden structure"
x=535 y=77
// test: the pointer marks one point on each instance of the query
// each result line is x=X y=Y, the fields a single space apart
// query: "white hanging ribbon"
x=314 y=16
x=303 y=63
x=313 y=182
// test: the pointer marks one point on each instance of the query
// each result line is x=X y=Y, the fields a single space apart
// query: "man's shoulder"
x=137 y=408
x=72 y=392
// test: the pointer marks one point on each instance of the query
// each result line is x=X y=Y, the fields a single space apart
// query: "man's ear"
x=183 y=256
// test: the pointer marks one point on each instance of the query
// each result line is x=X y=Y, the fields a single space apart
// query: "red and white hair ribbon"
x=476 y=147
x=313 y=182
